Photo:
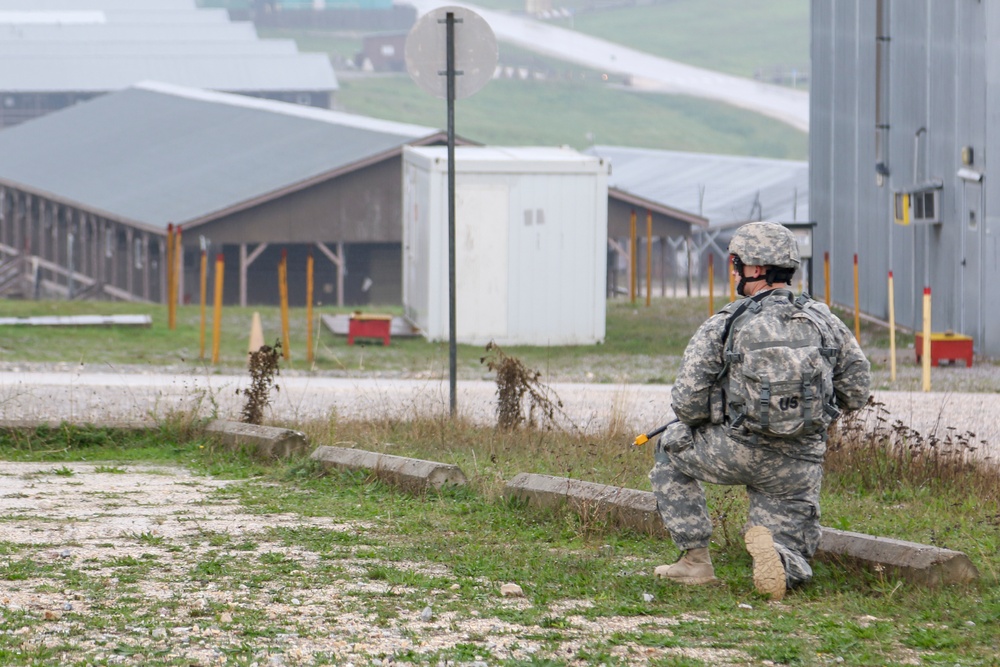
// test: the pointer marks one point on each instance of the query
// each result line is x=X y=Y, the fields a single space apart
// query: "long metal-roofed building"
x=905 y=102
x=87 y=194
x=694 y=201
x=54 y=53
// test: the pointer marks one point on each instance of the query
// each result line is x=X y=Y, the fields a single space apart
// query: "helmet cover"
x=765 y=244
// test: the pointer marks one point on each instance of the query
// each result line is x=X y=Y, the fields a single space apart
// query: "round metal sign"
x=475 y=52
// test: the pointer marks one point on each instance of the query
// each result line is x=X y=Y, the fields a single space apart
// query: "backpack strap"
x=748 y=306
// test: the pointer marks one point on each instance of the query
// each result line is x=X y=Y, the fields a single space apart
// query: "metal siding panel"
x=941 y=163
x=820 y=131
x=991 y=230
x=871 y=223
x=843 y=189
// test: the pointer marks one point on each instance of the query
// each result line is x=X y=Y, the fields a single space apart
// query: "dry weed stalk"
x=514 y=382
x=882 y=453
x=263 y=370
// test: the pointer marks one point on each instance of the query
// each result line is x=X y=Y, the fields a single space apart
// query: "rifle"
x=642 y=439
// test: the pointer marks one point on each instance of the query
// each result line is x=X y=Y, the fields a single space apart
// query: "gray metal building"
x=87 y=194
x=905 y=104
x=55 y=53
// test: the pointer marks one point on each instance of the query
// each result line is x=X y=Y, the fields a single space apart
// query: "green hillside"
x=574 y=106
x=578 y=113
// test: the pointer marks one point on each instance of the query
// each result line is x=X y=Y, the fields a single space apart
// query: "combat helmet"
x=765 y=244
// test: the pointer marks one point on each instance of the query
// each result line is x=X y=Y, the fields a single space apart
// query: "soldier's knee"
x=676 y=439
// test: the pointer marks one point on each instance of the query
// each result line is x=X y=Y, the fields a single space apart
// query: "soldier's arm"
x=852 y=374
x=702 y=363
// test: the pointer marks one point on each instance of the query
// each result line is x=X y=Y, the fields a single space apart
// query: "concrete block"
x=268 y=441
x=917 y=563
x=413 y=475
x=913 y=562
x=626 y=508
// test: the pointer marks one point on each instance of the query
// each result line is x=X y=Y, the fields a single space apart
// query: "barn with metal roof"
x=698 y=198
x=54 y=53
x=87 y=194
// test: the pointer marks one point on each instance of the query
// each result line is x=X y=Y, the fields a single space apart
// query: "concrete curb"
x=626 y=508
x=916 y=563
x=269 y=442
x=413 y=475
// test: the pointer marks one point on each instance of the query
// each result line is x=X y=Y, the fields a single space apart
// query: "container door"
x=481 y=222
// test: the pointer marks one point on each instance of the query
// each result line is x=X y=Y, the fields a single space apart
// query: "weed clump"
x=514 y=382
x=263 y=370
x=868 y=451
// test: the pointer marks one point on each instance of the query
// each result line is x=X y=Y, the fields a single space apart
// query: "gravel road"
x=134 y=396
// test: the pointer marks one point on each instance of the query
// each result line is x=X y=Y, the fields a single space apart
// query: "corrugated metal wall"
x=941 y=79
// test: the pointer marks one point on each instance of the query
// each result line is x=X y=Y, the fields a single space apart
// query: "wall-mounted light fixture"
x=967 y=155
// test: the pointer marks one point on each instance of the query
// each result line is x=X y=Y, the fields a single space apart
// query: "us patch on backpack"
x=780 y=369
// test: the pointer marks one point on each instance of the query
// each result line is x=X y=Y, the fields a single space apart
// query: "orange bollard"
x=283 y=291
x=857 y=302
x=632 y=256
x=220 y=268
x=926 y=352
x=892 y=332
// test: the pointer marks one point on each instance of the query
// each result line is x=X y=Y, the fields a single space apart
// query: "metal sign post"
x=471 y=54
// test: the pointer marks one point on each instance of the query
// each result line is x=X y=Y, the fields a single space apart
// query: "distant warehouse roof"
x=231 y=73
x=56 y=52
x=157 y=153
x=66 y=5
x=726 y=189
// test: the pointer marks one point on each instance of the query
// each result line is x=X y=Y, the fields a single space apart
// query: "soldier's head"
x=763 y=251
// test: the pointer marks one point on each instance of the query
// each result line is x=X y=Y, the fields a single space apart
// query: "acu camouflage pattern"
x=783 y=492
x=782 y=477
x=765 y=244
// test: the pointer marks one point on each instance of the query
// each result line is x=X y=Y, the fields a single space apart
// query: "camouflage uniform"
x=782 y=477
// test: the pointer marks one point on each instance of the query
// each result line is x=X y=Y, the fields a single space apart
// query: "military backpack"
x=777 y=380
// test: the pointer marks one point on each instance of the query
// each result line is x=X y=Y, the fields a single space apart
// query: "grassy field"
x=642 y=345
x=328 y=596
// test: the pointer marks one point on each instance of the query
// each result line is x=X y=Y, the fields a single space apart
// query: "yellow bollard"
x=649 y=256
x=925 y=357
x=826 y=278
x=220 y=267
x=203 y=285
x=178 y=260
x=857 y=303
x=283 y=291
x=892 y=332
x=711 y=284
x=171 y=298
x=632 y=255
x=309 y=309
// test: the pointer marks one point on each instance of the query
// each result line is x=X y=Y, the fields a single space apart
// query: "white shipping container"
x=531 y=229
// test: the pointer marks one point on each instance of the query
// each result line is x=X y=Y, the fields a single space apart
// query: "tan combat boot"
x=768 y=571
x=693 y=567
